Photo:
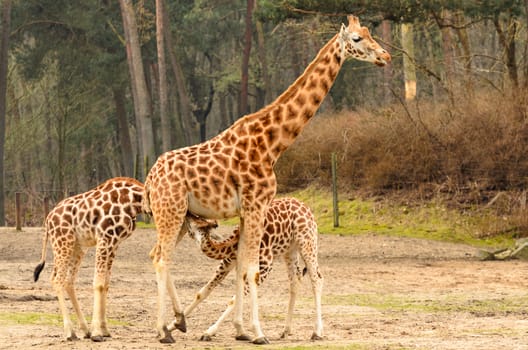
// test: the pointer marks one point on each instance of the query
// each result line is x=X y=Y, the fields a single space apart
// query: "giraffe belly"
x=214 y=209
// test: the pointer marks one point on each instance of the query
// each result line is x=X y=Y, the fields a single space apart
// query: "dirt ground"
x=380 y=293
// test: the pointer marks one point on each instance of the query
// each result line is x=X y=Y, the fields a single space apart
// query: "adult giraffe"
x=232 y=174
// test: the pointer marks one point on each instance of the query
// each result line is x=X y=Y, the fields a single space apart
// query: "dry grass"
x=468 y=154
x=482 y=142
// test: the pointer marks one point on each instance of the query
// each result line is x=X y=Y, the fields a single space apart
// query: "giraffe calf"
x=290 y=230
x=102 y=217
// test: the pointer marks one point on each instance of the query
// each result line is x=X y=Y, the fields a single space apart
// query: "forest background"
x=95 y=89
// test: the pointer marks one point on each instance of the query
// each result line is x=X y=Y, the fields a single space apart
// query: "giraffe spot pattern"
x=86 y=220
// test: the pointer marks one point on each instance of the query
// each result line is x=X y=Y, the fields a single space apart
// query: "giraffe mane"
x=292 y=89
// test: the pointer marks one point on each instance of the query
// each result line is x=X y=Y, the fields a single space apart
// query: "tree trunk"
x=123 y=133
x=507 y=41
x=429 y=42
x=466 y=47
x=264 y=90
x=61 y=151
x=142 y=98
x=201 y=114
x=222 y=109
x=4 y=46
x=448 y=54
x=525 y=82
x=162 y=72
x=183 y=95
x=244 y=76
x=388 y=74
x=409 y=71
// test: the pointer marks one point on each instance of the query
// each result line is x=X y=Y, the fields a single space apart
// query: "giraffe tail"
x=145 y=202
x=42 y=262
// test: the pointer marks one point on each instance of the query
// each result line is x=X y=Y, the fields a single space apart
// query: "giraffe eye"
x=356 y=38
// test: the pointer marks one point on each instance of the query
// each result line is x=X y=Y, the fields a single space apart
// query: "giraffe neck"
x=316 y=80
x=276 y=126
x=224 y=249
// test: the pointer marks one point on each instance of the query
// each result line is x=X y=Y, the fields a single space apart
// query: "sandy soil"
x=421 y=295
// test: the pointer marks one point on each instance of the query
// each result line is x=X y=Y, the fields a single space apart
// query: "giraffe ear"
x=343 y=32
x=208 y=224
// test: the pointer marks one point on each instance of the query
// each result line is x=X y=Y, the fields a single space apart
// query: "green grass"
x=40 y=318
x=26 y=318
x=431 y=220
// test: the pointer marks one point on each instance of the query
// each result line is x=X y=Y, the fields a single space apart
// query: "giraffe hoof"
x=97 y=338
x=181 y=326
x=72 y=337
x=206 y=337
x=244 y=337
x=316 y=337
x=261 y=341
x=167 y=338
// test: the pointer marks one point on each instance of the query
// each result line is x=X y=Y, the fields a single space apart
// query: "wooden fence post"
x=334 y=190
x=18 y=212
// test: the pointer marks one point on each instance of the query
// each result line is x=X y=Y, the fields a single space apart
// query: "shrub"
x=481 y=143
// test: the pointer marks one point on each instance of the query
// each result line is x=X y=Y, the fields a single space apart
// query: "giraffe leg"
x=309 y=255
x=64 y=274
x=162 y=279
x=162 y=258
x=265 y=268
x=211 y=331
x=179 y=322
x=248 y=266
x=104 y=324
x=221 y=272
x=102 y=257
x=76 y=264
x=58 y=281
x=292 y=262
x=239 y=282
x=68 y=326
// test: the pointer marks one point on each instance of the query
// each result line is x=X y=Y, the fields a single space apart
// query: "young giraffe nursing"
x=290 y=230
x=102 y=217
x=232 y=174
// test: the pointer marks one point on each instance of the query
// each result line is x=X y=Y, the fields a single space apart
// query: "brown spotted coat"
x=102 y=217
x=232 y=174
x=290 y=230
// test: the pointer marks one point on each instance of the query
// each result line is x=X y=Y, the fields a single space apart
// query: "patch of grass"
x=451 y=303
x=40 y=318
x=144 y=224
x=431 y=220
x=34 y=318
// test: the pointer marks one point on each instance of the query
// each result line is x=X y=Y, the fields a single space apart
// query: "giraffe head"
x=357 y=42
x=199 y=227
